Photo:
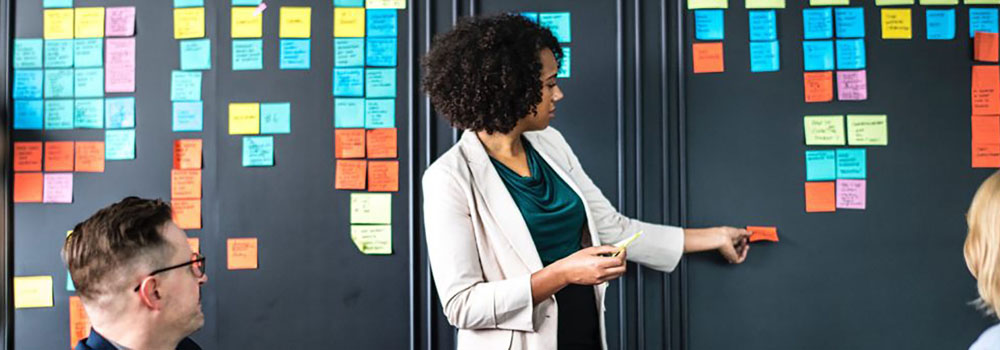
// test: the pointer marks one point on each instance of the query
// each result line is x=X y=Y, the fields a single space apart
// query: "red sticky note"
x=187 y=154
x=985 y=155
x=90 y=156
x=185 y=184
x=194 y=244
x=763 y=233
x=27 y=156
x=59 y=156
x=821 y=197
x=707 y=57
x=985 y=47
x=818 y=86
x=187 y=213
x=28 y=187
x=241 y=253
x=986 y=129
x=350 y=174
x=349 y=143
x=985 y=90
x=79 y=323
x=381 y=143
x=383 y=176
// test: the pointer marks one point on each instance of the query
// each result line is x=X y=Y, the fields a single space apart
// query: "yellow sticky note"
x=348 y=22
x=867 y=130
x=371 y=208
x=244 y=118
x=32 y=291
x=189 y=22
x=707 y=4
x=69 y=233
x=824 y=129
x=896 y=23
x=58 y=24
x=372 y=239
x=938 y=2
x=982 y=2
x=828 y=2
x=893 y=2
x=246 y=24
x=385 y=4
x=765 y=4
x=295 y=22
x=89 y=22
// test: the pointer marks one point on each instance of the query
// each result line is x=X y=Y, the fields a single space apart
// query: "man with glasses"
x=137 y=277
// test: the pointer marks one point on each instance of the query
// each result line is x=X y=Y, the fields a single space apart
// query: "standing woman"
x=982 y=254
x=517 y=232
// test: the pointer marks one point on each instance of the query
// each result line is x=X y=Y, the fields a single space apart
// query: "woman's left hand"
x=731 y=242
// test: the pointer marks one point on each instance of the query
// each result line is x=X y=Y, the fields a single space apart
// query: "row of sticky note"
x=356 y=22
x=361 y=143
x=88 y=22
x=828 y=196
x=361 y=82
x=250 y=118
x=370 y=175
x=862 y=130
x=780 y=4
x=851 y=86
x=818 y=23
x=842 y=163
x=819 y=54
x=34 y=83
x=185 y=183
x=58 y=53
x=353 y=52
x=88 y=156
x=62 y=114
x=37 y=187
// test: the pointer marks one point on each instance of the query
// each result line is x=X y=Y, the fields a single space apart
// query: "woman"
x=516 y=230
x=982 y=254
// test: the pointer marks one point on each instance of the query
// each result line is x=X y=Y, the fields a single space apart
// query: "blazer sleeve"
x=468 y=300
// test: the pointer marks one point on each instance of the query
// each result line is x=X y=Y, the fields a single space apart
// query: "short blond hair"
x=982 y=245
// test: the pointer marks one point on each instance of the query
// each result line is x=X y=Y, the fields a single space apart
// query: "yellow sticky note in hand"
x=89 y=22
x=32 y=291
x=296 y=22
x=348 y=22
x=58 y=24
x=245 y=24
x=624 y=244
x=244 y=118
x=189 y=23
x=896 y=23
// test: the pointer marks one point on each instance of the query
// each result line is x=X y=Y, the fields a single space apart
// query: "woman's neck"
x=502 y=145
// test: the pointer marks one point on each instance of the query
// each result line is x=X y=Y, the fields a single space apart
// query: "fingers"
x=612 y=273
x=599 y=250
x=729 y=253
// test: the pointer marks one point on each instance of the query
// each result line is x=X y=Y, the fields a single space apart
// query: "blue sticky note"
x=295 y=54
x=817 y=55
x=348 y=52
x=851 y=54
x=763 y=25
x=821 y=165
x=88 y=82
x=188 y=116
x=349 y=82
x=850 y=22
x=381 y=23
x=531 y=16
x=119 y=112
x=275 y=118
x=196 y=54
x=941 y=24
x=119 y=144
x=88 y=53
x=564 y=64
x=851 y=163
x=708 y=25
x=982 y=20
x=185 y=86
x=28 y=114
x=27 y=84
x=380 y=82
x=381 y=52
x=189 y=3
x=58 y=114
x=246 y=2
x=57 y=3
x=248 y=54
x=348 y=3
x=27 y=53
x=70 y=287
x=764 y=56
x=558 y=23
x=59 y=53
x=88 y=113
x=59 y=83
x=258 y=151
x=817 y=23
x=349 y=113
x=380 y=113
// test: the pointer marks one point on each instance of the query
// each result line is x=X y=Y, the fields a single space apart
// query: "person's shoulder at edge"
x=989 y=340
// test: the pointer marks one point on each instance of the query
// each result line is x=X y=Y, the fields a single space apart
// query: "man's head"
x=111 y=257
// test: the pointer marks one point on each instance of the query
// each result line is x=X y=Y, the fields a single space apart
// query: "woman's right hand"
x=593 y=265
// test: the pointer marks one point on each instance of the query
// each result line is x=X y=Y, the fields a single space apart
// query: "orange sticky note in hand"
x=27 y=156
x=241 y=253
x=350 y=174
x=187 y=213
x=821 y=197
x=383 y=176
x=28 y=187
x=185 y=184
x=985 y=47
x=818 y=86
x=707 y=57
x=194 y=244
x=349 y=143
x=59 y=156
x=187 y=154
x=79 y=323
x=763 y=233
x=381 y=143
x=985 y=155
x=985 y=90
x=90 y=156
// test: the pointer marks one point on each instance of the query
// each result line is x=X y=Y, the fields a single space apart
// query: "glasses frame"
x=195 y=259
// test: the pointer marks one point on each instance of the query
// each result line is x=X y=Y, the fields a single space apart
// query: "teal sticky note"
x=381 y=23
x=28 y=114
x=349 y=113
x=817 y=23
x=27 y=84
x=564 y=64
x=196 y=54
x=258 y=151
x=88 y=53
x=708 y=25
x=348 y=52
x=764 y=56
x=248 y=54
x=982 y=20
x=70 y=287
x=185 y=86
x=941 y=24
x=817 y=55
x=558 y=23
x=27 y=53
x=189 y=3
x=850 y=22
x=850 y=54
x=276 y=118
x=349 y=82
x=88 y=113
x=294 y=54
x=380 y=113
x=188 y=116
x=763 y=25
x=380 y=82
x=381 y=52
x=89 y=82
x=821 y=165
x=531 y=16
x=59 y=53
x=57 y=3
x=246 y=2
x=851 y=163
x=119 y=112
x=59 y=83
x=348 y=3
x=58 y=114
x=119 y=144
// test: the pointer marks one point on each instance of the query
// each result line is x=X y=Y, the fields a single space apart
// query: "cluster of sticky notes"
x=559 y=24
x=241 y=253
x=185 y=183
x=294 y=30
x=371 y=222
x=763 y=233
x=185 y=96
x=822 y=54
x=709 y=28
x=379 y=172
x=252 y=118
x=985 y=112
x=764 y=49
x=60 y=159
x=835 y=178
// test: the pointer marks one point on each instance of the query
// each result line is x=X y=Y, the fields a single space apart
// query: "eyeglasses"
x=197 y=268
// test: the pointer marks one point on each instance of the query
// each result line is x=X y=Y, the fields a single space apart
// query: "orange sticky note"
x=381 y=143
x=195 y=244
x=985 y=45
x=383 y=176
x=241 y=253
x=985 y=90
x=763 y=233
x=350 y=174
x=984 y=155
x=707 y=57
x=986 y=129
x=59 y=156
x=79 y=323
x=187 y=154
x=818 y=86
x=28 y=187
x=821 y=197
x=27 y=156
x=90 y=156
x=187 y=213
x=185 y=184
x=349 y=143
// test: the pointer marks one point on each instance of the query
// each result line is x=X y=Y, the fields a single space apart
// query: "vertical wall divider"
x=7 y=303
x=640 y=322
x=415 y=195
x=680 y=71
x=428 y=300
x=620 y=114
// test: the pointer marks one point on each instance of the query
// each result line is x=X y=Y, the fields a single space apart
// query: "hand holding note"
x=590 y=266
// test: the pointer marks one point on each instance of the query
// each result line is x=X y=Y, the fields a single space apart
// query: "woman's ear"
x=148 y=293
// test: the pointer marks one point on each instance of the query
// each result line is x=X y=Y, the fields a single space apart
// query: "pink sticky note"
x=852 y=85
x=260 y=9
x=119 y=71
x=58 y=188
x=851 y=194
x=119 y=21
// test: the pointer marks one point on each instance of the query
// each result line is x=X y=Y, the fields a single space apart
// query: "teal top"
x=553 y=212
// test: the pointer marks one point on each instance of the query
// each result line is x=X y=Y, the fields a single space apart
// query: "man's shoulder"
x=188 y=344
x=990 y=339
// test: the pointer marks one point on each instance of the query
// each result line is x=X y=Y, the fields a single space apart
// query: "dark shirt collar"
x=97 y=342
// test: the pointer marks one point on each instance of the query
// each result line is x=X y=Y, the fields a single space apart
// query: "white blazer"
x=482 y=255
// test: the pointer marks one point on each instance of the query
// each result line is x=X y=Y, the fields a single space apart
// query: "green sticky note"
x=89 y=113
x=824 y=129
x=828 y=2
x=349 y=112
x=58 y=114
x=893 y=2
x=564 y=64
x=58 y=83
x=765 y=4
x=372 y=239
x=371 y=208
x=28 y=53
x=275 y=118
x=88 y=53
x=867 y=130
x=196 y=54
x=982 y=2
x=258 y=151
x=88 y=82
x=707 y=4
x=938 y=2
x=59 y=53
x=119 y=144
x=248 y=54
x=185 y=86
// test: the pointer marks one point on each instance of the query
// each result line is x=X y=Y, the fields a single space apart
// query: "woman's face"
x=546 y=109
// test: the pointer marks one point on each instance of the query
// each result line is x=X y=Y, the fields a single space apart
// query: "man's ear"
x=149 y=293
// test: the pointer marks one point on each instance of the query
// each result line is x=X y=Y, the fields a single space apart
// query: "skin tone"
x=589 y=266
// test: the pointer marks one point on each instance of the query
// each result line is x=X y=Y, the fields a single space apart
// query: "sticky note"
x=851 y=194
x=380 y=113
x=58 y=23
x=90 y=156
x=59 y=114
x=296 y=22
x=88 y=113
x=850 y=54
x=381 y=143
x=817 y=23
x=371 y=208
x=28 y=114
x=938 y=2
x=245 y=24
x=763 y=25
x=196 y=54
x=828 y=2
x=189 y=3
x=185 y=86
x=119 y=21
x=817 y=55
x=28 y=187
x=241 y=254
x=824 y=130
x=119 y=144
x=187 y=116
x=531 y=16
x=707 y=4
x=32 y=291
x=57 y=4
x=349 y=3
x=88 y=53
x=58 y=188
x=27 y=156
x=88 y=82
x=850 y=22
x=59 y=53
x=119 y=112
x=349 y=143
x=982 y=20
x=244 y=118
x=187 y=154
x=383 y=176
x=349 y=113
x=707 y=57
x=194 y=242
x=893 y=2
x=189 y=23
x=248 y=54
x=764 y=56
x=896 y=23
x=818 y=86
x=120 y=73
x=941 y=24
x=258 y=151
x=851 y=163
x=348 y=52
x=380 y=82
x=381 y=23
x=27 y=84
x=852 y=85
x=765 y=4
x=564 y=64
x=385 y=4
x=821 y=197
x=89 y=22
x=985 y=129
x=349 y=82
x=187 y=215
x=708 y=25
x=821 y=165
x=763 y=233
x=185 y=183
x=982 y=2
x=27 y=53
x=867 y=130
x=351 y=174
x=79 y=323
x=372 y=239
x=985 y=90
x=275 y=118
x=558 y=23
x=294 y=54
x=984 y=155
x=348 y=22
x=381 y=52
x=58 y=83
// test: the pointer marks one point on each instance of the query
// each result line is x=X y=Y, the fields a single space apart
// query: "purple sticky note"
x=850 y=194
x=58 y=188
x=852 y=85
x=119 y=21
x=119 y=71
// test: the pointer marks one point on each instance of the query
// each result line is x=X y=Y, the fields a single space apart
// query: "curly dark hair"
x=483 y=75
